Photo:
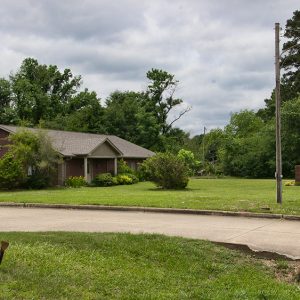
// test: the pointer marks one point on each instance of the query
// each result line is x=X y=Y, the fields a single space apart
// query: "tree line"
x=42 y=95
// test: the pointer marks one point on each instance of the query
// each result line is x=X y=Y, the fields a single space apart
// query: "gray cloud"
x=220 y=51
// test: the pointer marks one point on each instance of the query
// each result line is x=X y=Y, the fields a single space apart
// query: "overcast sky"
x=222 y=52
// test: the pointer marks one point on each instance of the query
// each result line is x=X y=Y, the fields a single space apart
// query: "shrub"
x=290 y=183
x=166 y=170
x=124 y=179
x=105 y=179
x=75 y=181
x=12 y=173
x=189 y=160
x=37 y=181
x=34 y=149
x=133 y=177
x=123 y=168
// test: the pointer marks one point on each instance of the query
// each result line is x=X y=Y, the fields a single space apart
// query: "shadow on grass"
x=159 y=189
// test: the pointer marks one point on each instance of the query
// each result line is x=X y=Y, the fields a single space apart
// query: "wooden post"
x=297 y=174
x=278 y=121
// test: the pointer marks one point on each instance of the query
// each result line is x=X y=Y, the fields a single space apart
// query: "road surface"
x=273 y=235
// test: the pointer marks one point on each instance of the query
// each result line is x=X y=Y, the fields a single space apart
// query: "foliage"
x=291 y=58
x=291 y=136
x=123 y=179
x=35 y=151
x=160 y=98
x=133 y=177
x=75 y=181
x=189 y=160
x=248 y=147
x=43 y=95
x=37 y=181
x=290 y=183
x=105 y=179
x=12 y=174
x=290 y=63
x=123 y=167
x=166 y=170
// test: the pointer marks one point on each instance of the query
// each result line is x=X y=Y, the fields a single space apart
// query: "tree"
x=40 y=92
x=290 y=63
x=35 y=152
x=290 y=136
x=7 y=113
x=126 y=116
x=159 y=98
x=12 y=173
x=248 y=149
x=189 y=160
x=291 y=59
x=83 y=113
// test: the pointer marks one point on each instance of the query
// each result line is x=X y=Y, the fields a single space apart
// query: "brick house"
x=85 y=154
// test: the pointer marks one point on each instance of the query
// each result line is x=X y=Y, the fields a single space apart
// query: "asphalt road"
x=273 y=235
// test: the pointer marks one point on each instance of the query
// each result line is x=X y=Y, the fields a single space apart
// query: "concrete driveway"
x=273 y=235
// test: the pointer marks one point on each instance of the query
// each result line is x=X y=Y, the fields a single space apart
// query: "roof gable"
x=105 y=149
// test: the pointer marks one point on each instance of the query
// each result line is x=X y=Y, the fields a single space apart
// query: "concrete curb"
x=153 y=210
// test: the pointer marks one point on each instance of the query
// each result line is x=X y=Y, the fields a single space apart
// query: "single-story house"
x=85 y=154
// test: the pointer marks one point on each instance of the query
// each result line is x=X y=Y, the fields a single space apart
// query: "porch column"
x=116 y=166
x=85 y=168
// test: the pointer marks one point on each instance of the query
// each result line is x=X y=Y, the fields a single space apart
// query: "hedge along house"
x=85 y=154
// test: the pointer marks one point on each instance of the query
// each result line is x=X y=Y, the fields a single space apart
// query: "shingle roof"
x=70 y=143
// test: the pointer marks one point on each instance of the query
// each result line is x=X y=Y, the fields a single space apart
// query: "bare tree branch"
x=179 y=116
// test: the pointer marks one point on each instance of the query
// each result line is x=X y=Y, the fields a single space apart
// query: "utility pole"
x=203 y=148
x=278 y=174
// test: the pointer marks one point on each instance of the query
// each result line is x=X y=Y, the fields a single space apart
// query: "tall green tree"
x=291 y=58
x=290 y=136
x=7 y=112
x=126 y=116
x=290 y=64
x=248 y=149
x=160 y=99
x=41 y=92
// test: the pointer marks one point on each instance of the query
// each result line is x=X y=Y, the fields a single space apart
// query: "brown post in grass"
x=297 y=174
x=278 y=118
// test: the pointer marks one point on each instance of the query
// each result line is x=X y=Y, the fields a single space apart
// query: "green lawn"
x=217 y=194
x=124 y=266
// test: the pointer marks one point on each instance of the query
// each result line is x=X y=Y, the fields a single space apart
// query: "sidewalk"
x=260 y=234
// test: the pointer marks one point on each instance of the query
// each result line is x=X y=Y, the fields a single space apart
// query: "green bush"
x=12 y=172
x=123 y=168
x=124 y=179
x=105 y=179
x=75 y=181
x=189 y=160
x=166 y=170
x=133 y=177
x=37 y=181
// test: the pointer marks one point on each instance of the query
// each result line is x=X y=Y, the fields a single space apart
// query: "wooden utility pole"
x=278 y=118
x=203 y=147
